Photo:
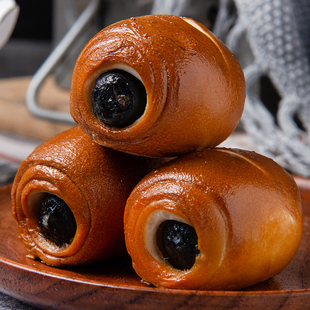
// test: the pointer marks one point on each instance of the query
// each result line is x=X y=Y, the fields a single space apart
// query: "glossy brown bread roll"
x=68 y=199
x=157 y=85
x=219 y=219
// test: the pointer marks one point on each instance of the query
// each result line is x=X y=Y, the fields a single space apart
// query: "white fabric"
x=279 y=44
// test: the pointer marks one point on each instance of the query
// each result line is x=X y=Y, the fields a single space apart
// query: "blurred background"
x=270 y=38
x=31 y=40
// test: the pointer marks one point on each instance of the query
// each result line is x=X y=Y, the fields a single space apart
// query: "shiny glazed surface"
x=114 y=284
x=245 y=209
x=195 y=87
x=92 y=180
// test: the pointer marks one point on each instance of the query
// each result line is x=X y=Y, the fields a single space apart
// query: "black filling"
x=56 y=221
x=118 y=98
x=178 y=244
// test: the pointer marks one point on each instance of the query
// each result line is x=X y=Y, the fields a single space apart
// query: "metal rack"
x=36 y=82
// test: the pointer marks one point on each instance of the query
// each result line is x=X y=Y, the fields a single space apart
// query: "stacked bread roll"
x=69 y=196
x=144 y=90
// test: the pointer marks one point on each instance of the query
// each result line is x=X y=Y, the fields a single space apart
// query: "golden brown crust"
x=195 y=86
x=94 y=182
x=245 y=208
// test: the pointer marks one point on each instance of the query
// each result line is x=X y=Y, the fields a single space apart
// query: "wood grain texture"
x=16 y=118
x=115 y=285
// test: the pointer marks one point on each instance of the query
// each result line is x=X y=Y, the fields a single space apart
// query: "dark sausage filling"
x=178 y=244
x=118 y=98
x=56 y=221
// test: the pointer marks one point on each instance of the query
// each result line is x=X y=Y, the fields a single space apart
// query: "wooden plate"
x=114 y=285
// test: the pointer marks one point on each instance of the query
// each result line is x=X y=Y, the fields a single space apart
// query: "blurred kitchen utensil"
x=9 y=12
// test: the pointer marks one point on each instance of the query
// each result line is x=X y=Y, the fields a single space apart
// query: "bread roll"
x=186 y=89
x=219 y=219
x=68 y=199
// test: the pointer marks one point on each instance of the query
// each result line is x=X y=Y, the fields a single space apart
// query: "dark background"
x=35 y=20
x=31 y=40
